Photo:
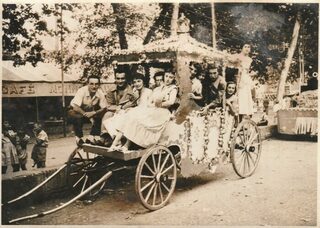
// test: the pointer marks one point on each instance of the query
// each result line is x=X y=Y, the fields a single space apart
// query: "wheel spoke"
x=240 y=136
x=241 y=159
x=146 y=186
x=146 y=164
x=248 y=162
x=256 y=144
x=78 y=180
x=159 y=161
x=148 y=177
x=165 y=161
x=251 y=141
x=168 y=190
x=154 y=162
x=171 y=178
x=84 y=184
x=167 y=169
x=149 y=193
x=244 y=164
x=160 y=192
x=253 y=161
x=155 y=194
x=251 y=134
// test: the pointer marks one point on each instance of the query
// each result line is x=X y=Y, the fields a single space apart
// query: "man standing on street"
x=88 y=104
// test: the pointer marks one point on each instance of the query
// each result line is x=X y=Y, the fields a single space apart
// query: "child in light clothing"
x=39 y=151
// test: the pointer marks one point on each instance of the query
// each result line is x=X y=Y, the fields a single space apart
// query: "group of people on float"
x=135 y=116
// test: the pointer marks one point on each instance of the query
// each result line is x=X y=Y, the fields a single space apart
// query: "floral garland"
x=188 y=124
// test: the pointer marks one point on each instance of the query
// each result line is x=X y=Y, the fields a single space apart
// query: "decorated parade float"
x=302 y=119
x=192 y=142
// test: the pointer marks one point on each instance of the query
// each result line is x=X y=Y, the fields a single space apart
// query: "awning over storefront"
x=43 y=72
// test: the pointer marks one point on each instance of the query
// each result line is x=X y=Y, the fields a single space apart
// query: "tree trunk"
x=285 y=70
x=174 y=19
x=160 y=20
x=120 y=25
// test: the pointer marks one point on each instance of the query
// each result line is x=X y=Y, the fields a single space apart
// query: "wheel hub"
x=158 y=176
x=250 y=148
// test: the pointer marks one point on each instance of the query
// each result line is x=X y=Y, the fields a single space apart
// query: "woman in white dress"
x=144 y=125
x=244 y=81
x=142 y=95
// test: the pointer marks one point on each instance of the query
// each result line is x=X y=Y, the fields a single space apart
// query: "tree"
x=16 y=38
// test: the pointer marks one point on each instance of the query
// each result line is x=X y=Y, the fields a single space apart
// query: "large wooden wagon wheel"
x=246 y=148
x=156 y=177
x=83 y=170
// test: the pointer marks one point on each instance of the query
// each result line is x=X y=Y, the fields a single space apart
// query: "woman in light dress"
x=244 y=81
x=144 y=125
x=142 y=95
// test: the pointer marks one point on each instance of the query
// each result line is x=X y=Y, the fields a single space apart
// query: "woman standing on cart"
x=244 y=81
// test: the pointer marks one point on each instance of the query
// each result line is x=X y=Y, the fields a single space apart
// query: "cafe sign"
x=12 y=89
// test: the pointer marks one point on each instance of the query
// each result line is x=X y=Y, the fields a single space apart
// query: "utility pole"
x=301 y=65
x=62 y=76
x=214 y=26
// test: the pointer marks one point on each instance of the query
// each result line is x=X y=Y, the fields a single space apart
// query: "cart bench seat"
x=121 y=155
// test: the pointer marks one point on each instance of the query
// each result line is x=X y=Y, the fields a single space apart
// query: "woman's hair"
x=198 y=69
x=159 y=73
x=138 y=76
x=174 y=81
x=231 y=83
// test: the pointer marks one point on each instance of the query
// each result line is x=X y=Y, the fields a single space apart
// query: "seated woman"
x=144 y=125
x=142 y=95
x=231 y=98
x=197 y=79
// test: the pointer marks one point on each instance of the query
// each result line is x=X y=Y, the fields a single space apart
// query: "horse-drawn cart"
x=192 y=142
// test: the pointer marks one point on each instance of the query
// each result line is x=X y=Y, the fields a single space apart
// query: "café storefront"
x=34 y=94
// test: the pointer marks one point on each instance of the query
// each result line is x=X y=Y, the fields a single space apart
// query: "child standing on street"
x=22 y=140
x=39 y=150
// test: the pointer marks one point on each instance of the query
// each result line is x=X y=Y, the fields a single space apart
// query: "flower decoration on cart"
x=207 y=136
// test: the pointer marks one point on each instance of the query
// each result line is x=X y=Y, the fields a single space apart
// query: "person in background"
x=22 y=140
x=9 y=152
x=196 y=88
x=88 y=104
x=215 y=90
x=39 y=151
x=158 y=79
x=231 y=98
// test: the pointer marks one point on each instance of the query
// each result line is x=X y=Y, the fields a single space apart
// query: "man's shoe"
x=79 y=141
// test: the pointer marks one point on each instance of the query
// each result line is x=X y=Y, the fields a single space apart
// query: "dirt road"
x=282 y=191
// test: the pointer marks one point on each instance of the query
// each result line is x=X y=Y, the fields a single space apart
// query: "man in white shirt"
x=89 y=103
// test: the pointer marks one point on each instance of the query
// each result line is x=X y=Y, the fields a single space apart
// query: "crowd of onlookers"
x=14 y=147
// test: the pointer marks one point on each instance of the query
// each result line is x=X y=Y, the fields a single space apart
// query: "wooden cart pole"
x=174 y=19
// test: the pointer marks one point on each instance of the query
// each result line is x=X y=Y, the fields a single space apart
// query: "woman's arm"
x=171 y=100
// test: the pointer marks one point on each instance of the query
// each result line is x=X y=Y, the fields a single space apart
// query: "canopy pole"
x=62 y=77
x=37 y=110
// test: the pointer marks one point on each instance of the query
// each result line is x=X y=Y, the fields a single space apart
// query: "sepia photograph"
x=162 y=113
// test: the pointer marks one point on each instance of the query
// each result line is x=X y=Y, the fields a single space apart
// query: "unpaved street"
x=282 y=191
